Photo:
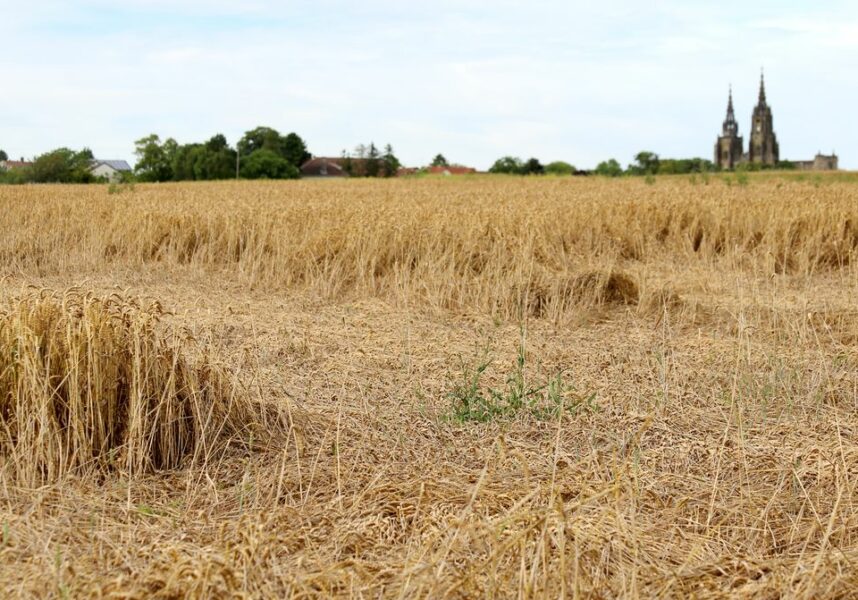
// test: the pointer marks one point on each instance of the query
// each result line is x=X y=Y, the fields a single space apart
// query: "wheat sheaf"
x=101 y=384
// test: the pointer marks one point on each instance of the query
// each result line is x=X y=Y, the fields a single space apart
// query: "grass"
x=247 y=389
x=472 y=400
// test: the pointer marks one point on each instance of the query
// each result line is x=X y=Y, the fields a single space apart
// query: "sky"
x=474 y=80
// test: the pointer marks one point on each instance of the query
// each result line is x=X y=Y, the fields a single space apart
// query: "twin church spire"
x=729 y=149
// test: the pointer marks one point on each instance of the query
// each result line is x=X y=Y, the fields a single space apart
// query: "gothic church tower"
x=728 y=148
x=764 y=144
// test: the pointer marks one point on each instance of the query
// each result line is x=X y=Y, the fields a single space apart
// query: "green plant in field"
x=742 y=178
x=471 y=401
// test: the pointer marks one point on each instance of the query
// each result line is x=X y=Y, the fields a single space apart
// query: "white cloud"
x=476 y=80
x=830 y=33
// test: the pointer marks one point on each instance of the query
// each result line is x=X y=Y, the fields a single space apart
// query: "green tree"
x=439 y=161
x=291 y=146
x=210 y=165
x=684 y=166
x=609 y=168
x=533 y=167
x=215 y=161
x=293 y=149
x=62 y=166
x=170 y=147
x=261 y=138
x=509 y=165
x=373 y=164
x=3 y=155
x=646 y=163
x=267 y=164
x=184 y=161
x=389 y=163
x=153 y=159
x=368 y=161
x=558 y=167
x=217 y=143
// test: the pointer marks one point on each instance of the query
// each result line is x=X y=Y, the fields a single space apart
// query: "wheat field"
x=430 y=388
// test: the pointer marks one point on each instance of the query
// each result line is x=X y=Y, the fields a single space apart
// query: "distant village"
x=263 y=153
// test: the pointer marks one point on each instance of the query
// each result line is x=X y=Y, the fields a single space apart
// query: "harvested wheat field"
x=430 y=388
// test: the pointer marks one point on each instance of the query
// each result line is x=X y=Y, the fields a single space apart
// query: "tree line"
x=646 y=163
x=512 y=165
x=650 y=163
x=369 y=161
x=262 y=153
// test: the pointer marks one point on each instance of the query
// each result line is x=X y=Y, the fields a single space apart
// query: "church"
x=763 y=149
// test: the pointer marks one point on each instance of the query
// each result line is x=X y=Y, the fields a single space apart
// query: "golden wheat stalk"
x=93 y=384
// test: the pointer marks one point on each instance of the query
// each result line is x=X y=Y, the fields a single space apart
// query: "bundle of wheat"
x=98 y=384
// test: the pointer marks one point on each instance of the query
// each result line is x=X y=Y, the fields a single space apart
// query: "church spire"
x=728 y=148
x=731 y=115
x=764 y=143
x=731 y=127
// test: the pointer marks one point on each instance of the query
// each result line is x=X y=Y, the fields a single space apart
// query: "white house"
x=112 y=170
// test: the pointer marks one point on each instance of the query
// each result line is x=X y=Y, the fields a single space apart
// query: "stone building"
x=822 y=162
x=729 y=147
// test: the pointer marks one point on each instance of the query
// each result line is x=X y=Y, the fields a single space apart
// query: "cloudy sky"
x=571 y=80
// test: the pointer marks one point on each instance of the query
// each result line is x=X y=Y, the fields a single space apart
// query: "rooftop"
x=116 y=165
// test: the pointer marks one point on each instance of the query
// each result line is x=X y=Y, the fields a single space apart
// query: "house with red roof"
x=11 y=165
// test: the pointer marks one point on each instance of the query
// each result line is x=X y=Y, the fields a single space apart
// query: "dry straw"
x=717 y=458
x=98 y=384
